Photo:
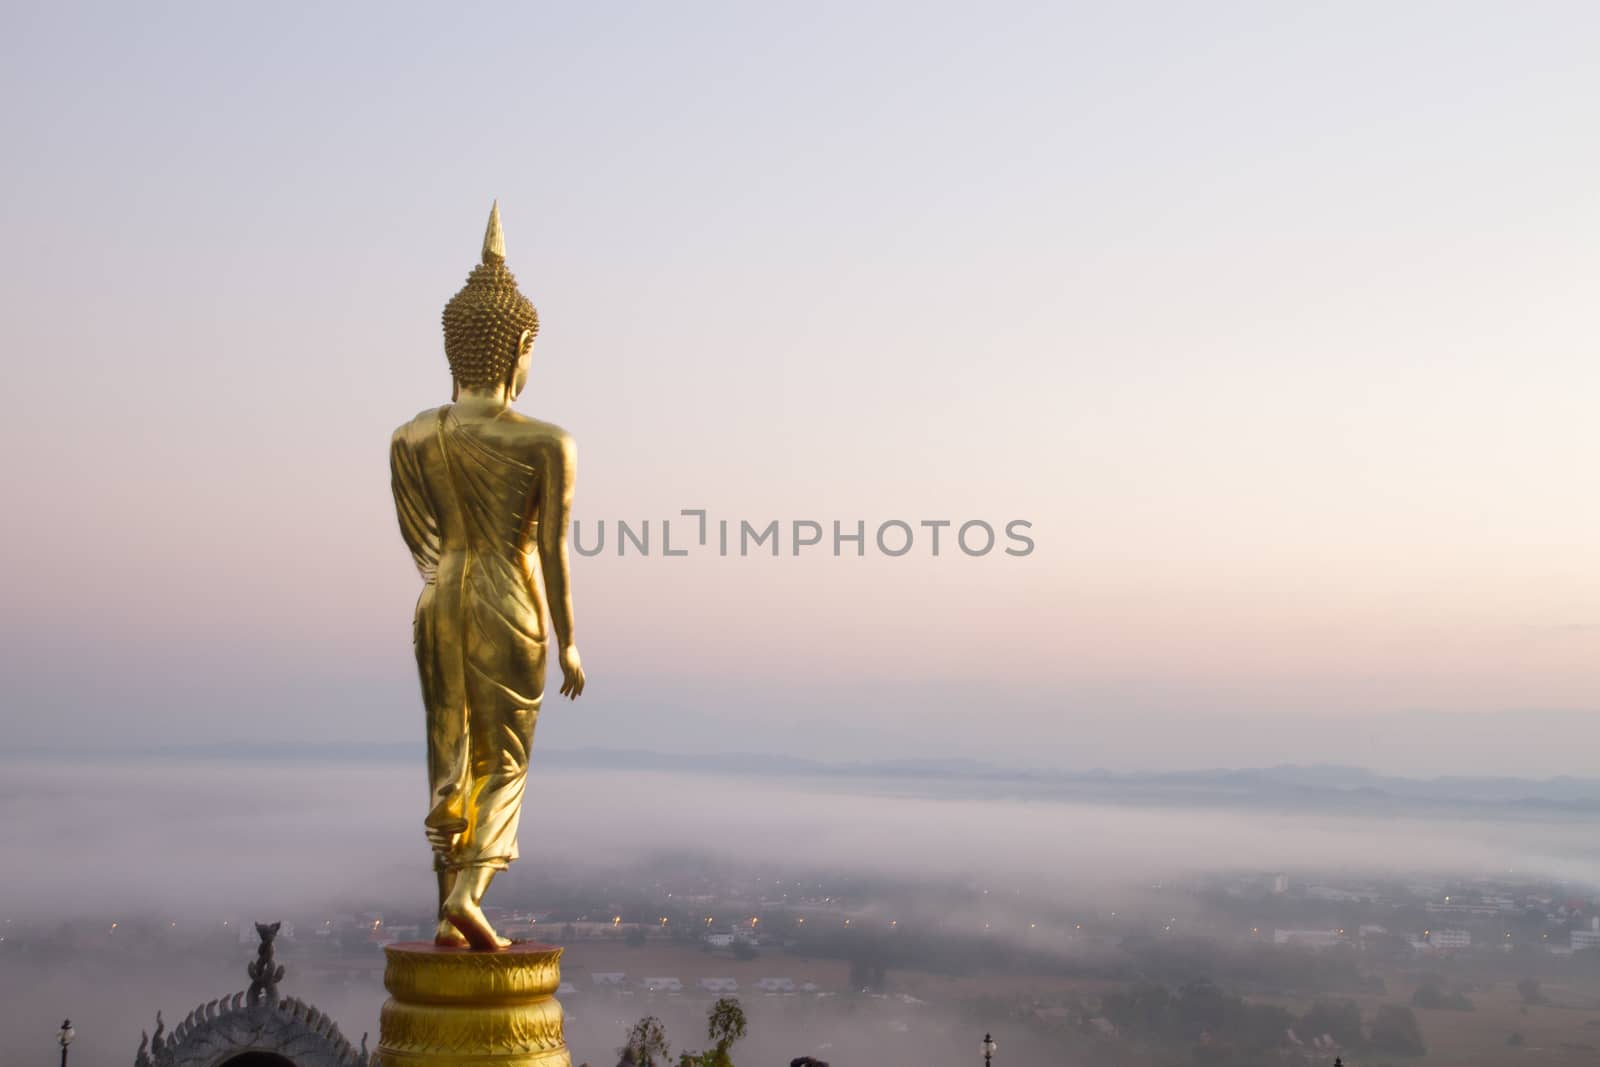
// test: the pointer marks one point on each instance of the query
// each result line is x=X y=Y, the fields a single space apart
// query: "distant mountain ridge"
x=1350 y=789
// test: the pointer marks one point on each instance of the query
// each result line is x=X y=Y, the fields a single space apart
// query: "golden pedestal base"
x=453 y=1007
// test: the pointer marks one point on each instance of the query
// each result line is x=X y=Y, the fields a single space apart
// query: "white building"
x=1476 y=909
x=662 y=985
x=609 y=979
x=1450 y=939
x=775 y=985
x=1584 y=939
x=719 y=985
x=1308 y=938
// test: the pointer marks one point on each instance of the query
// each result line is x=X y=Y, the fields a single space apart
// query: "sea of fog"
x=183 y=836
x=151 y=841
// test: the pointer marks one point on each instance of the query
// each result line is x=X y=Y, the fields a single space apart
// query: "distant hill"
x=1286 y=786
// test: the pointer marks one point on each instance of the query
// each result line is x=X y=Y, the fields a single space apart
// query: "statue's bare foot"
x=472 y=924
x=447 y=936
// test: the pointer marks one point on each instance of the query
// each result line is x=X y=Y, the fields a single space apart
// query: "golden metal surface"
x=453 y=1007
x=430 y=976
x=484 y=498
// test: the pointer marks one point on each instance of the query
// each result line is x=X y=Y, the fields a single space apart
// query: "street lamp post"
x=65 y=1036
x=988 y=1049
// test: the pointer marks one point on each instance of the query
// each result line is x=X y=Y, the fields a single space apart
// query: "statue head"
x=489 y=325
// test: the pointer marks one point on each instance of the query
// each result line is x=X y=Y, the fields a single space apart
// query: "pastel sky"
x=1277 y=323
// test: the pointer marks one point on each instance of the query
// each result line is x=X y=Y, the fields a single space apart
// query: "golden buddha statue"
x=484 y=496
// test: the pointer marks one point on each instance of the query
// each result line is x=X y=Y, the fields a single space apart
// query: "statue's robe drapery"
x=467 y=513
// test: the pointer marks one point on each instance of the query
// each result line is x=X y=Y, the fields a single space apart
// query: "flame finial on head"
x=489 y=319
x=494 y=238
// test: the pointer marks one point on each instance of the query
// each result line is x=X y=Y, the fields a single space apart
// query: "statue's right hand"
x=571 y=672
